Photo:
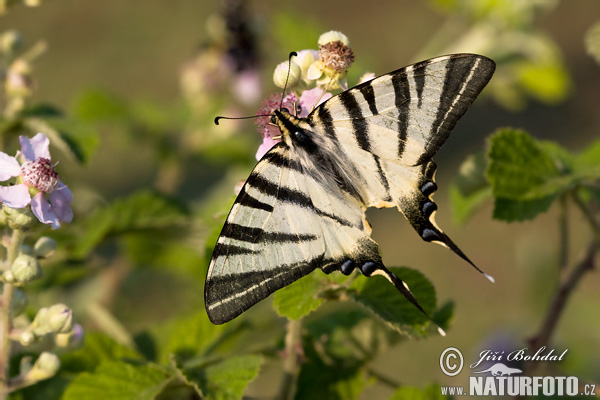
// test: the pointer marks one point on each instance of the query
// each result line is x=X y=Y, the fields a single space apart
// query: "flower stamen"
x=40 y=174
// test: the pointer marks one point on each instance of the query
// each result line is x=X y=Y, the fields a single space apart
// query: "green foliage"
x=383 y=299
x=523 y=175
x=300 y=298
x=227 y=379
x=118 y=380
x=141 y=212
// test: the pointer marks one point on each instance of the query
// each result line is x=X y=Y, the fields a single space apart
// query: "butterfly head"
x=295 y=132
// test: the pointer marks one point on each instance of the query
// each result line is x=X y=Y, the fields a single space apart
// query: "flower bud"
x=289 y=71
x=55 y=319
x=70 y=340
x=26 y=268
x=10 y=42
x=18 y=217
x=333 y=36
x=26 y=338
x=45 y=367
x=44 y=247
x=305 y=59
x=18 y=80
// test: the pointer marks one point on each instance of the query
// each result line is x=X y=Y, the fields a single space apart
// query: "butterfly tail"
x=420 y=209
x=403 y=288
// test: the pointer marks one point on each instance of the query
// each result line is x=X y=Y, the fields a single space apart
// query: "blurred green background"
x=134 y=52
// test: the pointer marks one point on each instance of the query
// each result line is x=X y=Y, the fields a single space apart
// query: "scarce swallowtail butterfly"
x=303 y=206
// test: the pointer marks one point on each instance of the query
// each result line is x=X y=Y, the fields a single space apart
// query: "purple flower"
x=37 y=185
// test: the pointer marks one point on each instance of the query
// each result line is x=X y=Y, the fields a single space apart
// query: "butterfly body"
x=303 y=206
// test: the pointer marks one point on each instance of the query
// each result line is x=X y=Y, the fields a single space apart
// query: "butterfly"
x=303 y=206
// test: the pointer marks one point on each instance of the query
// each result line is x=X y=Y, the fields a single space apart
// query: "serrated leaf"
x=432 y=392
x=142 y=211
x=383 y=299
x=97 y=348
x=520 y=210
x=520 y=168
x=118 y=380
x=592 y=42
x=300 y=298
x=228 y=379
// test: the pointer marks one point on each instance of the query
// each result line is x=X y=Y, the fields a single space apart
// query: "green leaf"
x=443 y=315
x=228 y=379
x=300 y=298
x=587 y=163
x=383 y=299
x=520 y=168
x=520 y=210
x=336 y=378
x=432 y=392
x=49 y=389
x=118 y=380
x=592 y=42
x=98 y=348
x=185 y=337
x=470 y=190
x=141 y=212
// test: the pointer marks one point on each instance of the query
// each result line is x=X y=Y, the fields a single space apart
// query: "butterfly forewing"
x=303 y=205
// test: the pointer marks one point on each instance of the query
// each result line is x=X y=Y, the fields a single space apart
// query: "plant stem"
x=542 y=338
x=290 y=360
x=6 y=315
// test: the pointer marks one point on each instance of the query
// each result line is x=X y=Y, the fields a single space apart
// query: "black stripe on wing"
x=360 y=127
x=227 y=296
x=466 y=76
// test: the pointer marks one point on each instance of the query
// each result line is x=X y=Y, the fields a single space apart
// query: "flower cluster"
x=37 y=183
x=310 y=75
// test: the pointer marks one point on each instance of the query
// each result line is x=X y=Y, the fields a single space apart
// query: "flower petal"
x=60 y=199
x=36 y=147
x=312 y=98
x=9 y=167
x=43 y=211
x=16 y=196
x=266 y=145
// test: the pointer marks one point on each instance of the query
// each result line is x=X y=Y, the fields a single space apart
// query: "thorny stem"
x=5 y=315
x=290 y=361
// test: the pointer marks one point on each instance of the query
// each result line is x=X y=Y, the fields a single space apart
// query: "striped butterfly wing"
x=283 y=225
x=303 y=205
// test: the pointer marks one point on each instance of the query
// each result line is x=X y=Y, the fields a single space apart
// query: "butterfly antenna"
x=287 y=77
x=217 y=119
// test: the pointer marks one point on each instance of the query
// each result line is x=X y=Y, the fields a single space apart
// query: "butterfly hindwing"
x=283 y=225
